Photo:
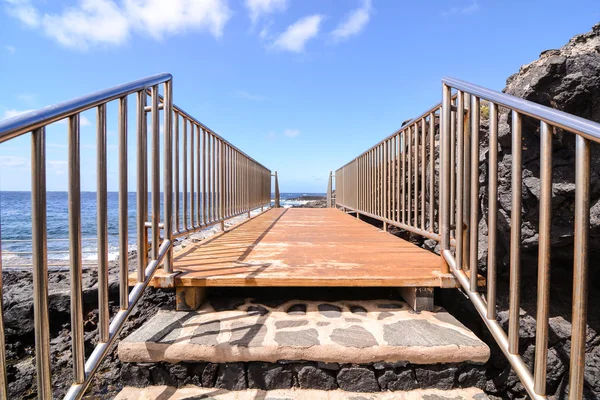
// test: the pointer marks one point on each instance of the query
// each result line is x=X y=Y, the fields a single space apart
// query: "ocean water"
x=15 y=225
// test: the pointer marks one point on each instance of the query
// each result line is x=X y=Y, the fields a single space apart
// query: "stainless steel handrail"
x=227 y=183
x=192 y=119
x=27 y=122
x=389 y=182
x=560 y=119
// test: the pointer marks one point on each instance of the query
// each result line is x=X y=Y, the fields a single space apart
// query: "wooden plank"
x=307 y=247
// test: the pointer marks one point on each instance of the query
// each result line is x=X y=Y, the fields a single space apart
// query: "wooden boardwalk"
x=307 y=247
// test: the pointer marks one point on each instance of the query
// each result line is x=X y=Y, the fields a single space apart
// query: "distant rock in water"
x=567 y=79
x=306 y=197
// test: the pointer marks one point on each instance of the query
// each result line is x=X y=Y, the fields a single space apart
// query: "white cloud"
x=27 y=98
x=159 y=17
x=108 y=22
x=242 y=94
x=13 y=113
x=23 y=11
x=296 y=35
x=58 y=167
x=83 y=120
x=264 y=33
x=464 y=10
x=10 y=49
x=13 y=162
x=258 y=8
x=291 y=132
x=354 y=22
x=93 y=22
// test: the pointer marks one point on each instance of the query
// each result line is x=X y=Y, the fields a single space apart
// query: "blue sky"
x=303 y=86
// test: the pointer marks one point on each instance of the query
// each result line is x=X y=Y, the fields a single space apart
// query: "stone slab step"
x=193 y=392
x=358 y=332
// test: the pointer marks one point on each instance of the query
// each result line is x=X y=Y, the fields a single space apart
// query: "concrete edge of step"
x=172 y=393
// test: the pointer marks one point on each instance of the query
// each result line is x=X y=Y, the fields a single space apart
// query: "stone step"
x=345 y=332
x=193 y=392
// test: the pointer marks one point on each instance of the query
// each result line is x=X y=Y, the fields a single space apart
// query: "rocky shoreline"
x=19 y=325
x=310 y=202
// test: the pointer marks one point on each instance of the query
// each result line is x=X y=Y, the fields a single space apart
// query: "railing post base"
x=189 y=298
x=418 y=298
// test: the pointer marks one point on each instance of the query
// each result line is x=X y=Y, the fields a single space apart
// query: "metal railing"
x=223 y=182
x=277 y=195
x=330 y=198
x=56 y=262
x=396 y=181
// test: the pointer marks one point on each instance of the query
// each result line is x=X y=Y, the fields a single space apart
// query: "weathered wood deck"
x=307 y=247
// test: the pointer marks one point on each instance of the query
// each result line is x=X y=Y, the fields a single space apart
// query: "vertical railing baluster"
x=204 y=165
x=515 y=237
x=176 y=168
x=416 y=177
x=409 y=163
x=102 y=224
x=223 y=177
x=460 y=175
x=192 y=181
x=467 y=179
x=445 y=173
x=369 y=183
x=423 y=173
x=384 y=182
x=123 y=208
x=474 y=218
x=492 y=211
x=452 y=170
x=74 y=199
x=40 y=266
x=168 y=172
x=277 y=194
x=543 y=287
x=394 y=181
x=403 y=143
x=198 y=176
x=155 y=153
x=399 y=178
x=185 y=177
x=214 y=180
x=329 y=188
x=228 y=181
x=580 y=268
x=3 y=379
x=141 y=196
x=431 y=171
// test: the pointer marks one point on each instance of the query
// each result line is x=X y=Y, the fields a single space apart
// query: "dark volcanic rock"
x=310 y=377
x=209 y=375
x=400 y=380
x=269 y=376
x=135 y=375
x=435 y=376
x=231 y=376
x=357 y=379
x=567 y=79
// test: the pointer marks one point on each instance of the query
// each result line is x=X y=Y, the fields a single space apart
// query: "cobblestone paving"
x=342 y=331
